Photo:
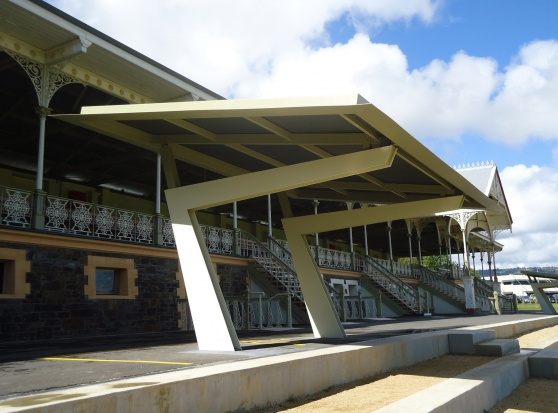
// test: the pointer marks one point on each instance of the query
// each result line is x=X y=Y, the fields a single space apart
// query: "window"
x=13 y=269
x=109 y=277
x=106 y=281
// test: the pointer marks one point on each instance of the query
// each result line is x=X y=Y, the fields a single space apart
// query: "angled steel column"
x=323 y=317
x=214 y=328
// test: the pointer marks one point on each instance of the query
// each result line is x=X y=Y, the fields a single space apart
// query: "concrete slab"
x=474 y=391
x=544 y=364
x=499 y=347
x=241 y=385
x=465 y=341
x=231 y=381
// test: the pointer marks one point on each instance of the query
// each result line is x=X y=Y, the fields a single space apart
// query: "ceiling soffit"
x=232 y=137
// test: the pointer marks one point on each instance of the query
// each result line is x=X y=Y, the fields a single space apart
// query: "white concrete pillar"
x=43 y=112
x=389 y=239
x=350 y=207
x=470 y=302
x=235 y=215
x=315 y=202
x=365 y=241
x=269 y=223
x=158 y=186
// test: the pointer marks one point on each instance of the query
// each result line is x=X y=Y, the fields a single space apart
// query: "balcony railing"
x=16 y=207
x=97 y=221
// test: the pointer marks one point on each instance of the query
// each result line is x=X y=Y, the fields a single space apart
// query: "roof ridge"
x=478 y=165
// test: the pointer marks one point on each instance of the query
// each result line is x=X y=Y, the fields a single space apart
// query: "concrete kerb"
x=473 y=391
x=247 y=384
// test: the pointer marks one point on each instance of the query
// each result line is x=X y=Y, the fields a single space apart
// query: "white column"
x=269 y=226
x=469 y=286
x=43 y=112
x=389 y=239
x=473 y=255
x=365 y=240
x=158 y=186
x=235 y=216
x=450 y=264
x=410 y=235
x=350 y=207
x=365 y=233
x=315 y=202
x=465 y=253
x=494 y=262
x=419 y=251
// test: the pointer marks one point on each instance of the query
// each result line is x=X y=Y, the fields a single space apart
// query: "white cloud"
x=223 y=44
x=254 y=49
x=246 y=49
x=532 y=193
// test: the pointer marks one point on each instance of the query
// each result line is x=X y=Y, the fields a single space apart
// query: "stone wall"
x=57 y=306
x=232 y=279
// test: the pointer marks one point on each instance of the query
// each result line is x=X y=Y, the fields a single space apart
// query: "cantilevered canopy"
x=333 y=149
x=234 y=137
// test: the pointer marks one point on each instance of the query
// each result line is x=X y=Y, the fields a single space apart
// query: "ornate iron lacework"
x=462 y=217
x=82 y=218
x=104 y=222
x=125 y=225
x=55 y=78
x=56 y=214
x=168 y=235
x=17 y=207
x=144 y=228
x=474 y=165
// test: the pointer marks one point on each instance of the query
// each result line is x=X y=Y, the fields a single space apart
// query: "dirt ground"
x=535 y=396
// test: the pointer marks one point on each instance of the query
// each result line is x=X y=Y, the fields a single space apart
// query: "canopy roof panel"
x=239 y=136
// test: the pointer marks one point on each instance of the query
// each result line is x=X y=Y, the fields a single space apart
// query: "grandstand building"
x=134 y=200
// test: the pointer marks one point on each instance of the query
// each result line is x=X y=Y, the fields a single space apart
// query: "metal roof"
x=234 y=137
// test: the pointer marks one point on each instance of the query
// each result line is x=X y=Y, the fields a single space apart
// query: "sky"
x=473 y=80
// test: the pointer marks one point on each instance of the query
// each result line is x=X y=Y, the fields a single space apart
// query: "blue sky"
x=474 y=80
x=491 y=28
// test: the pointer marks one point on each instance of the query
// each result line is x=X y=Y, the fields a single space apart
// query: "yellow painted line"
x=115 y=361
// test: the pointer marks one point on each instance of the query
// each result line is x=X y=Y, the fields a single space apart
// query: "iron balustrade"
x=16 y=207
x=441 y=284
x=250 y=246
x=329 y=258
x=486 y=290
x=401 y=291
x=97 y=221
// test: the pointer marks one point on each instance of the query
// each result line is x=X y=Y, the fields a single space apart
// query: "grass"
x=532 y=306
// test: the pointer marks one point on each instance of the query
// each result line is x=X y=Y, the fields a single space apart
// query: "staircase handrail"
x=280 y=251
x=482 y=284
x=287 y=277
x=440 y=283
x=405 y=293
x=487 y=291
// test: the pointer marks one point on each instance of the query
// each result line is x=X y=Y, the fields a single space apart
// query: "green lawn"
x=532 y=306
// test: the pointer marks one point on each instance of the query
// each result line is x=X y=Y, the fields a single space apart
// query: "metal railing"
x=266 y=257
x=441 y=284
x=83 y=218
x=399 y=290
x=16 y=207
x=329 y=258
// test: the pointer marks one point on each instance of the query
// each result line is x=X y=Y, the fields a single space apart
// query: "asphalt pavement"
x=35 y=367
